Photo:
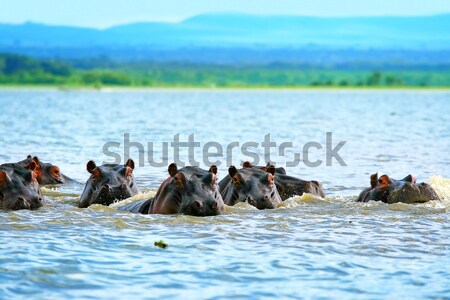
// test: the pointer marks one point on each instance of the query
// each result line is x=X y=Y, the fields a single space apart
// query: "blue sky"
x=105 y=13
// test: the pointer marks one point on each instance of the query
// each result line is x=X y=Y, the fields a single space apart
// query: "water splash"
x=145 y=194
x=442 y=187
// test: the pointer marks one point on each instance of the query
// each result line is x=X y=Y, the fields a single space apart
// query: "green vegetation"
x=161 y=244
x=21 y=70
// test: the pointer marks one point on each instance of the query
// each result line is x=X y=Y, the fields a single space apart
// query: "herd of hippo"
x=188 y=190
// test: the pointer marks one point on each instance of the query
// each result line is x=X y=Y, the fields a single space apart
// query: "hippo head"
x=108 y=183
x=252 y=185
x=46 y=173
x=19 y=188
x=191 y=191
x=389 y=190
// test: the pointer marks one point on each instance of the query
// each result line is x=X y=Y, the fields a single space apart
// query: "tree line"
x=22 y=70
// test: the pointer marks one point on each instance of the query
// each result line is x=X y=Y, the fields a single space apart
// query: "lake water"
x=307 y=248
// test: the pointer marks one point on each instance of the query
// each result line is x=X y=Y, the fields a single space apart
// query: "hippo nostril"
x=123 y=186
x=214 y=205
x=106 y=187
x=197 y=205
x=251 y=201
x=39 y=199
x=23 y=203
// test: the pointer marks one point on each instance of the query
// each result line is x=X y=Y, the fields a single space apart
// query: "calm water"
x=307 y=248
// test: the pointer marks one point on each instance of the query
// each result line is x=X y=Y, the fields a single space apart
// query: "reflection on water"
x=307 y=248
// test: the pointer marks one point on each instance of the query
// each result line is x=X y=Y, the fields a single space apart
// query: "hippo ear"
x=91 y=166
x=128 y=171
x=29 y=156
x=3 y=178
x=232 y=171
x=374 y=180
x=173 y=169
x=130 y=163
x=32 y=165
x=410 y=178
x=384 y=181
x=270 y=178
x=129 y=167
x=93 y=169
x=271 y=170
x=246 y=164
x=179 y=180
x=36 y=160
x=213 y=169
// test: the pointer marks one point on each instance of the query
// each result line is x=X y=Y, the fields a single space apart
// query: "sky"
x=107 y=13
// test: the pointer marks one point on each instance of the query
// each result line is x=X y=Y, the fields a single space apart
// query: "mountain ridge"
x=243 y=30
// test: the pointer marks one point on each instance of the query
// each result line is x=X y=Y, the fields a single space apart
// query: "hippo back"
x=289 y=186
x=46 y=173
x=138 y=207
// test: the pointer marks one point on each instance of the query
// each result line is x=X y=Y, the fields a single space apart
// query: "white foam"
x=143 y=195
x=442 y=187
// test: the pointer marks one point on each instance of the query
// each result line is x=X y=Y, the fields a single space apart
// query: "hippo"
x=189 y=190
x=252 y=185
x=389 y=190
x=287 y=186
x=108 y=183
x=46 y=173
x=19 y=188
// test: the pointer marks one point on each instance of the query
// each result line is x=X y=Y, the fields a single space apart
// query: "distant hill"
x=239 y=30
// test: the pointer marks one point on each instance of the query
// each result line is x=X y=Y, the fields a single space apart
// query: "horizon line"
x=182 y=20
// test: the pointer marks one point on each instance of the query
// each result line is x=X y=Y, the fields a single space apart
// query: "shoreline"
x=231 y=88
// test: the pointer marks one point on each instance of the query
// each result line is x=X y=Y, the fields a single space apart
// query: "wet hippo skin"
x=390 y=190
x=108 y=183
x=19 y=188
x=252 y=185
x=189 y=190
x=46 y=173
